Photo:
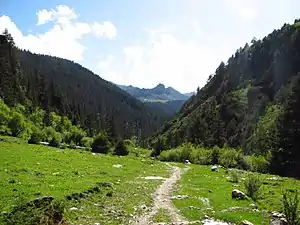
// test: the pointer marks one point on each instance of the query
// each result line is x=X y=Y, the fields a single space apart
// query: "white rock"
x=187 y=162
x=238 y=194
x=214 y=168
x=73 y=209
x=118 y=166
x=246 y=222
x=278 y=221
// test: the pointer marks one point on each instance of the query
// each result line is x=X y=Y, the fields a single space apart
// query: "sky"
x=144 y=42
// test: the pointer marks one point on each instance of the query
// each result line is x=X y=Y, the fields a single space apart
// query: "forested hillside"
x=252 y=102
x=67 y=88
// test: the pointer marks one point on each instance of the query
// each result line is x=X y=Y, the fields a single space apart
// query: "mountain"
x=69 y=89
x=251 y=103
x=158 y=93
x=162 y=99
x=190 y=94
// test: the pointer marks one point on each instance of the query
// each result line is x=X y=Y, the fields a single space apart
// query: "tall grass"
x=290 y=202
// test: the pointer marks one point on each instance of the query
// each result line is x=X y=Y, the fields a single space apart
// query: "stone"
x=246 y=222
x=214 y=168
x=253 y=206
x=187 y=161
x=238 y=194
x=118 y=166
x=278 y=221
x=73 y=209
x=277 y=215
x=143 y=207
x=178 y=197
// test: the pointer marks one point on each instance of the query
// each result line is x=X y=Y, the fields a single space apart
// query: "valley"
x=78 y=149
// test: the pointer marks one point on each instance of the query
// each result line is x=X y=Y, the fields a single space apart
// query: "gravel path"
x=162 y=200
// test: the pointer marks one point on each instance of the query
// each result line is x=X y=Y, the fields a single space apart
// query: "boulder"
x=246 y=222
x=214 y=168
x=253 y=206
x=278 y=221
x=238 y=194
x=187 y=161
x=277 y=215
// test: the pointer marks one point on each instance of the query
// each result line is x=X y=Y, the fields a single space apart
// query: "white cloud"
x=244 y=9
x=62 y=13
x=63 y=38
x=107 y=29
x=165 y=58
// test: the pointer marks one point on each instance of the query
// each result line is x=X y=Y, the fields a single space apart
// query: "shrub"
x=86 y=142
x=215 y=155
x=228 y=158
x=56 y=140
x=253 y=184
x=234 y=176
x=100 y=144
x=77 y=134
x=17 y=124
x=242 y=163
x=36 y=136
x=290 y=202
x=72 y=145
x=129 y=143
x=158 y=148
x=185 y=152
x=48 y=133
x=121 y=149
x=260 y=164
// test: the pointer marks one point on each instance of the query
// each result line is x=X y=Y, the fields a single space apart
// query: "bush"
x=234 y=176
x=215 y=155
x=100 y=144
x=121 y=149
x=48 y=133
x=158 y=148
x=228 y=158
x=260 y=164
x=36 y=136
x=129 y=143
x=253 y=184
x=86 y=142
x=290 y=202
x=56 y=140
x=17 y=124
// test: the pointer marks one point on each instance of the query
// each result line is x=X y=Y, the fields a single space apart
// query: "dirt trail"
x=162 y=200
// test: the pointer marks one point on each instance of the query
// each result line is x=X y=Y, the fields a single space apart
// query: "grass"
x=204 y=185
x=161 y=216
x=31 y=171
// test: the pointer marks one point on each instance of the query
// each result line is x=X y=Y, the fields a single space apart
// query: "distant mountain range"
x=158 y=93
x=161 y=98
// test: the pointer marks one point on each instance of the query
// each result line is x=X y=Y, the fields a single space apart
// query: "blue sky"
x=144 y=42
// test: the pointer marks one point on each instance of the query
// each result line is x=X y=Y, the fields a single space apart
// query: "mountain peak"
x=160 y=86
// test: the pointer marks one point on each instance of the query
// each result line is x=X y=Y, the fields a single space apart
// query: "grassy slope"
x=197 y=182
x=30 y=171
